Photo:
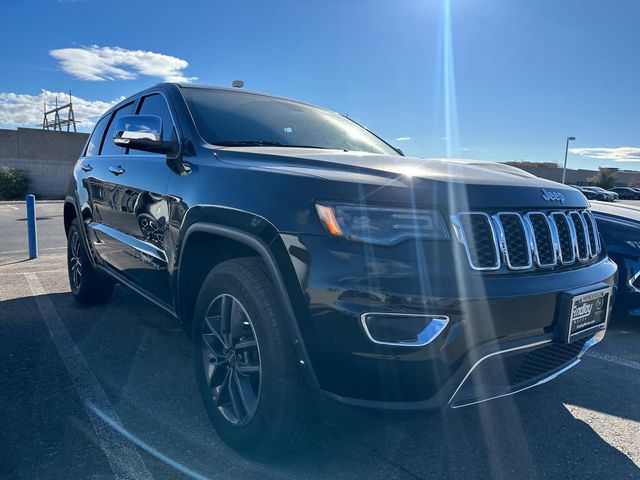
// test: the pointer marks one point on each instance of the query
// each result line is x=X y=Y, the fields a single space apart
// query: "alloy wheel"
x=75 y=262
x=231 y=359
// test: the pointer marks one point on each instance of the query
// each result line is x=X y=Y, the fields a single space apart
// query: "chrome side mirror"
x=142 y=132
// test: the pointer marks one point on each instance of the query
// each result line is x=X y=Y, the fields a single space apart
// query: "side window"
x=108 y=147
x=96 y=137
x=156 y=105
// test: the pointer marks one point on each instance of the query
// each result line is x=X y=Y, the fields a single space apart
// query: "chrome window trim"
x=502 y=241
x=462 y=238
x=425 y=337
x=536 y=256
x=590 y=343
x=586 y=236
x=572 y=237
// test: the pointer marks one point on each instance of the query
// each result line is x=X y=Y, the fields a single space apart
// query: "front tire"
x=245 y=363
x=88 y=286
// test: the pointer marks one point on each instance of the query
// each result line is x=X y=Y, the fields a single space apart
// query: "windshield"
x=244 y=119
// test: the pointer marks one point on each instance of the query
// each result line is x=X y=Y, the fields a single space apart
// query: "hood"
x=471 y=178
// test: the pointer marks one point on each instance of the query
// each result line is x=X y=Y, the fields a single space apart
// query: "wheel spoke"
x=225 y=320
x=235 y=395
x=246 y=368
x=244 y=344
x=245 y=391
x=236 y=320
x=211 y=323
x=221 y=389
x=208 y=340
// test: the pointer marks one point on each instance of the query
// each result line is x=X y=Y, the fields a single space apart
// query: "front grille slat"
x=515 y=242
x=544 y=251
x=526 y=240
x=581 y=235
x=479 y=240
x=591 y=233
x=565 y=238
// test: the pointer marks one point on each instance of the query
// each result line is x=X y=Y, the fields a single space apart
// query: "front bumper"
x=494 y=322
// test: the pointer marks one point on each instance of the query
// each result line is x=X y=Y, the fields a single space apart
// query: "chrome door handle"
x=116 y=170
x=86 y=167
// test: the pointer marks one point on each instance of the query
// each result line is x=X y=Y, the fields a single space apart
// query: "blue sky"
x=516 y=76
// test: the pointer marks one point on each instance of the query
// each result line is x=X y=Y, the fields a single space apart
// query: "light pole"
x=566 y=151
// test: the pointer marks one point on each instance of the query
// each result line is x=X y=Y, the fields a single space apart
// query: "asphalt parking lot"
x=109 y=392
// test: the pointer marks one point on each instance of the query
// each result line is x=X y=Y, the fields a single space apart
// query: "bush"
x=606 y=178
x=13 y=183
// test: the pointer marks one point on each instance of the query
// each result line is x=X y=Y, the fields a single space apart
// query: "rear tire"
x=88 y=286
x=240 y=340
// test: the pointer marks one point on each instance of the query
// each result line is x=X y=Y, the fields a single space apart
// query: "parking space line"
x=617 y=360
x=124 y=459
x=37 y=272
x=49 y=249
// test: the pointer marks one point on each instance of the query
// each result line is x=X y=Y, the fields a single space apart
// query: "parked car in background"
x=627 y=193
x=600 y=193
x=619 y=226
x=591 y=195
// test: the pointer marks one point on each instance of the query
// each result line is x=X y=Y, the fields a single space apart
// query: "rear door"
x=133 y=209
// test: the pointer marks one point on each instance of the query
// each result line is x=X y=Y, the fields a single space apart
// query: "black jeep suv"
x=313 y=263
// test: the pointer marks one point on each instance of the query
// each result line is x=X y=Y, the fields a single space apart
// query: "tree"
x=606 y=178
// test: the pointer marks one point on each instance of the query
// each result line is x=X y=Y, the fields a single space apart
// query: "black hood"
x=466 y=182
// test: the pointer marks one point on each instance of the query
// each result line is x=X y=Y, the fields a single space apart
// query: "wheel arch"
x=70 y=212
x=230 y=242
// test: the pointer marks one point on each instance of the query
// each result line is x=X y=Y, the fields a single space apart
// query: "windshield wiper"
x=266 y=143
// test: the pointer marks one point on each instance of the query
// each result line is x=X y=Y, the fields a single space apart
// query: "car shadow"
x=142 y=359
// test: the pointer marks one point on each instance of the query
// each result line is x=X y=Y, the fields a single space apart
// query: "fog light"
x=403 y=329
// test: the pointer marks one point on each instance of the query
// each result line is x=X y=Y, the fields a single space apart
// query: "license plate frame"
x=577 y=319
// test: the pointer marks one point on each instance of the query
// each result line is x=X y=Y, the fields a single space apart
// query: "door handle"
x=116 y=170
x=86 y=167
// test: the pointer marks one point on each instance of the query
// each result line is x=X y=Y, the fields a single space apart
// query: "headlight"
x=382 y=226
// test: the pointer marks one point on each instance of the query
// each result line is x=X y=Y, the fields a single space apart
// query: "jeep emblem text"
x=552 y=196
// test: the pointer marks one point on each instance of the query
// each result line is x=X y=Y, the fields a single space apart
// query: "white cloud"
x=403 y=139
x=617 y=154
x=96 y=63
x=26 y=110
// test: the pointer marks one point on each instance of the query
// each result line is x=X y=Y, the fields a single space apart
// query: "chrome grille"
x=593 y=239
x=526 y=240
x=580 y=227
x=513 y=240
x=566 y=240
x=544 y=251
x=478 y=237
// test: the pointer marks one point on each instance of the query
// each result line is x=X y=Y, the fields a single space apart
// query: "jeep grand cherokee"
x=313 y=263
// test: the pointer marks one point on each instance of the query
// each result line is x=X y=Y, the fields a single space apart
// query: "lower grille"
x=545 y=360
